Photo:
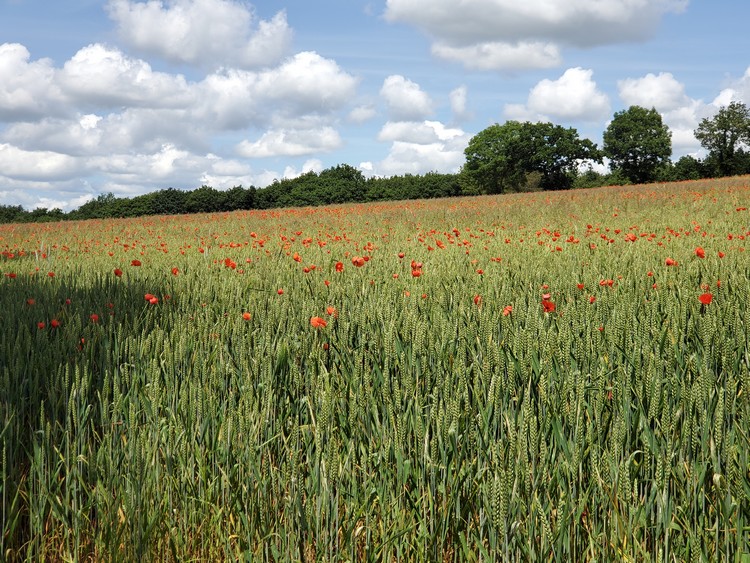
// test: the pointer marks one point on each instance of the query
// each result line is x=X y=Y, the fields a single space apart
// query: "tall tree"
x=638 y=144
x=723 y=136
x=500 y=157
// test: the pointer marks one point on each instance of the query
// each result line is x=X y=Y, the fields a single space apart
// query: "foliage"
x=638 y=144
x=724 y=136
x=500 y=157
x=527 y=377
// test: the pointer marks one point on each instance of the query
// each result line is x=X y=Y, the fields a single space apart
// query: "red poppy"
x=148 y=296
x=280 y=291
x=507 y=310
x=30 y=301
x=10 y=275
x=332 y=311
x=94 y=318
x=480 y=271
x=135 y=263
x=358 y=261
x=247 y=316
x=118 y=272
x=721 y=254
x=54 y=323
x=592 y=299
x=175 y=271
x=416 y=273
x=700 y=253
x=477 y=300
x=318 y=322
x=670 y=262
x=549 y=306
x=51 y=274
x=339 y=266
x=153 y=300
x=706 y=298
x=580 y=286
x=40 y=325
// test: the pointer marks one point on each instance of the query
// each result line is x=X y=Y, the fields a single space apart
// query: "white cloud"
x=36 y=165
x=494 y=55
x=507 y=34
x=572 y=97
x=105 y=77
x=360 y=114
x=27 y=89
x=417 y=148
x=291 y=143
x=206 y=33
x=458 y=102
x=666 y=94
x=405 y=99
x=423 y=133
x=661 y=91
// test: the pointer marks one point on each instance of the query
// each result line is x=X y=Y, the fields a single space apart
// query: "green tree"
x=638 y=144
x=501 y=157
x=723 y=136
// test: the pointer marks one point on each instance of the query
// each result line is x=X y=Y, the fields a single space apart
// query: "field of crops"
x=552 y=376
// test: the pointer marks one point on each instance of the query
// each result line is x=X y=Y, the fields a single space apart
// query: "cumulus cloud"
x=105 y=77
x=360 y=114
x=206 y=33
x=498 y=55
x=419 y=147
x=28 y=90
x=405 y=99
x=507 y=34
x=661 y=91
x=36 y=165
x=458 y=100
x=291 y=143
x=572 y=97
x=666 y=94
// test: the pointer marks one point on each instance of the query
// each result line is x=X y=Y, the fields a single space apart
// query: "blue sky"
x=128 y=96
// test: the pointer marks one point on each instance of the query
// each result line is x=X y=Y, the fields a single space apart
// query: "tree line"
x=503 y=158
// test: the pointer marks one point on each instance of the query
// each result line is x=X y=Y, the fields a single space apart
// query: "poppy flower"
x=153 y=300
x=670 y=262
x=10 y=275
x=580 y=286
x=549 y=306
x=721 y=254
x=40 y=325
x=706 y=298
x=332 y=311
x=175 y=271
x=54 y=323
x=94 y=318
x=118 y=272
x=135 y=263
x=247 y=316
x=30 y=302
x=51 y=274
x=700 y=253
x=280 y=291
x=318 y=322
x=416 y=273
x=358 y=261
x=480 y=271
x=507 y=310
x=339 y=266
x=592 y=299
x=477 y=300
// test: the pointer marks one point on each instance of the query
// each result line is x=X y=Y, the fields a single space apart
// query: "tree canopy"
x=501 y=157
x=638 y=144
x=724 y=136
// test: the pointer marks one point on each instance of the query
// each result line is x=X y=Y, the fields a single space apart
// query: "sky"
x=128 y=97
